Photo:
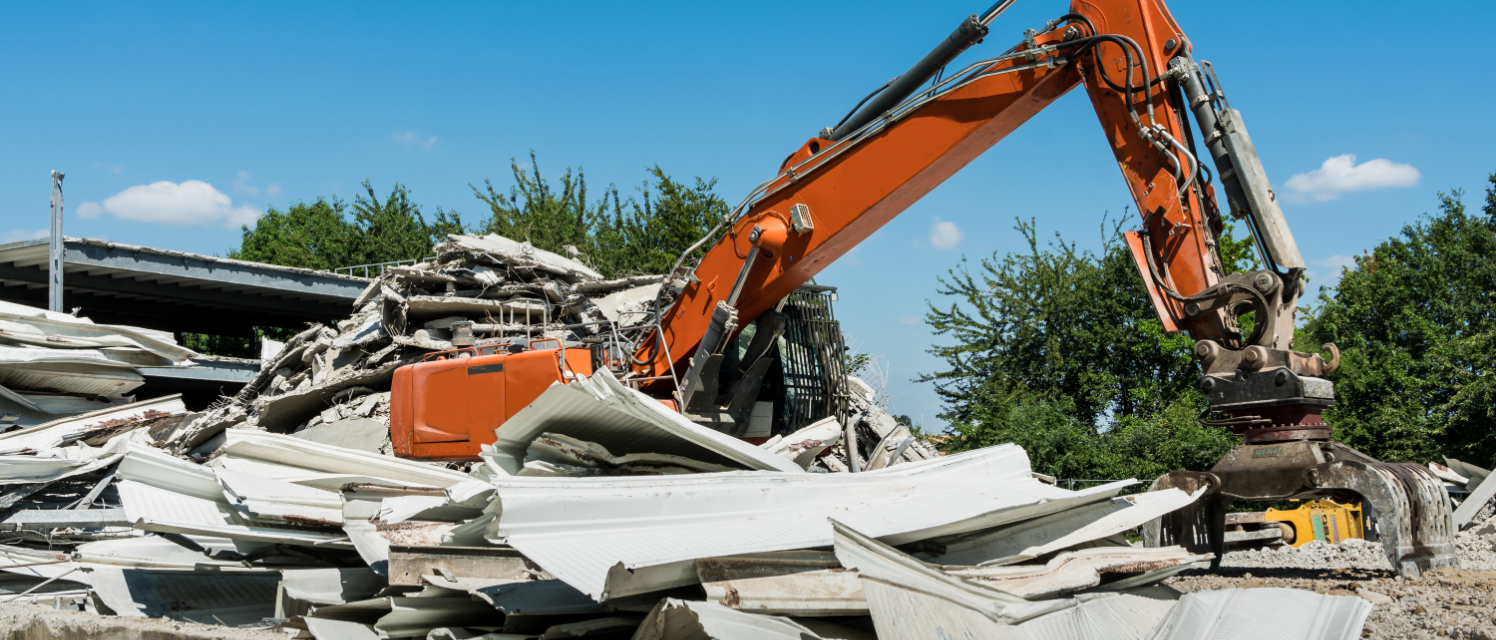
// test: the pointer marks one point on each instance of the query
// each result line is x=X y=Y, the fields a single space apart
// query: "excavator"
x=1140 y=72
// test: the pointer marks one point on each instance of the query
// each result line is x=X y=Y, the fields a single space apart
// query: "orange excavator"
x=1139 y=70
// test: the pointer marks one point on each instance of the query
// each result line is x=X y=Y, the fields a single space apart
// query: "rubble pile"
x=56 y=364
x=599 y=512
x=480 y=291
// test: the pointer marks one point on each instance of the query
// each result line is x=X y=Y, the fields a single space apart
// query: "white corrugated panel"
x=1033 y=538
x=911 y=600
x=1264 y=614
x=59 y=432
x=613 y=537
x=290 y=451
x=624 y=421
x=162 y=493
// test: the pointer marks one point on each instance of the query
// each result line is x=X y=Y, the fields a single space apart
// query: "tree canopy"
x=1415 y=320
x=1059 y=350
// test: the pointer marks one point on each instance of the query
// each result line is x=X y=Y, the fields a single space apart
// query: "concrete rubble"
x=600 y=513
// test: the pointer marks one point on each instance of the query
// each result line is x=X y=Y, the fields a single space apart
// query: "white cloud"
x=114 y=169
x=191 y=202
x=910 y=321
x=1341 y=174
x=411 y=138
x=273 y=189
x=944 y=234
x=21 y=234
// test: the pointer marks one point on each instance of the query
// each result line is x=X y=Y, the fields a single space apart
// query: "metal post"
x=54 y=262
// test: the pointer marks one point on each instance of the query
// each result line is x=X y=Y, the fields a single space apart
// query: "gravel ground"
x=1447 y=603
x=38 y=622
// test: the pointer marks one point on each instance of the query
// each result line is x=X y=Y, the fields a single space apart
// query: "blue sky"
x=264 y=104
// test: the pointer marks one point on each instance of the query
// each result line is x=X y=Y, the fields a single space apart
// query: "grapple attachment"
x=1406 y=504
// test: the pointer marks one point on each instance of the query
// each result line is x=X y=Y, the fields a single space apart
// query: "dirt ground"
x=1445 y=603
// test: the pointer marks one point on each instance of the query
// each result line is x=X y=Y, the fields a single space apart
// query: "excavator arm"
x=840 y=187
x=1138 y=69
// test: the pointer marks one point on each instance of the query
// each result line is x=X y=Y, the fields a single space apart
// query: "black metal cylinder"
x=968 y=33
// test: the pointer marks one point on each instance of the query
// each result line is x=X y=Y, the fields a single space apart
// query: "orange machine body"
x=449 y=406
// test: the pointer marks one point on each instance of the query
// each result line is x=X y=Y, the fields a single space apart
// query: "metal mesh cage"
x=811 y=353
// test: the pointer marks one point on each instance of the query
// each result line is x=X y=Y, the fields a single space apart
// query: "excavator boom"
x=1139 y=71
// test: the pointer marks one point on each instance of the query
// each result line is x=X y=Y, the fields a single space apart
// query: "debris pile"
x=635 y=523
x=480 y=291
x=599 y=512
x=56 y=364
x=1479 y=503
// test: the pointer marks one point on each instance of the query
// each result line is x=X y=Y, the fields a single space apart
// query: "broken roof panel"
x=72 y=428
x=81 y=371
x=599 y=409
x=791 y=583
x=911 y=600
x=1033 y=538
x=52 y=333
x=161 y=493
x=613 y=537
x=290 y=451
x=1264 y=614
x=1073 y=571
x=684 y=619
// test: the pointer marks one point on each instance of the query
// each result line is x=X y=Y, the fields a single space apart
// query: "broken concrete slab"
x=359 y=434
x=518 y=255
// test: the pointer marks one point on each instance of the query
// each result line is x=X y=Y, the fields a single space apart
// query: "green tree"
x=533 y=211
x=649 y=237
x=315 y=235
x=617 y=237
x=1059 y=350
x=1415 y=321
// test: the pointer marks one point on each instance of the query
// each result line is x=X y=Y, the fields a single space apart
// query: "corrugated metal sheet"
x=59 y=432
x=294 y=452
x=911 y=600
x=79 y=333
x=70 y=375
x=1033 y=538
x=1073 y=571
x=225 y=596
x=162 y=493
x=601 y=410
x=1264 y=614
x=791 y=583
x=674 y=619
x=614 y=537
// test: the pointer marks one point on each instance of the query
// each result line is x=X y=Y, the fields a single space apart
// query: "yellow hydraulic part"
x=1321 y=520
